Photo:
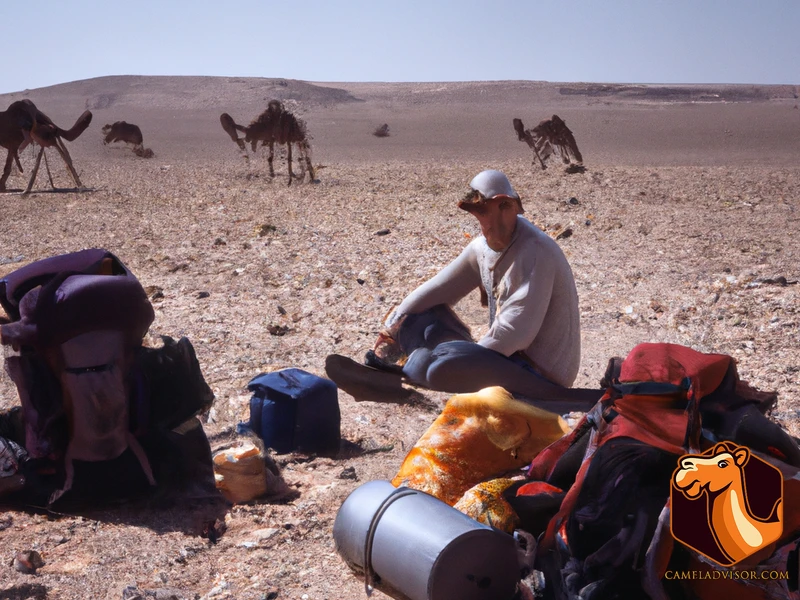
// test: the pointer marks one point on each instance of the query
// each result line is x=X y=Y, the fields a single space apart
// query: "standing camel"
x=551 y=137
x=22 y=123
x=737 y=531
x=276 y=125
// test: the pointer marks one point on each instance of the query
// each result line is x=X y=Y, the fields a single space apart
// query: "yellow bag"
x=241 y=473
x=476 y=437
x=485 y=503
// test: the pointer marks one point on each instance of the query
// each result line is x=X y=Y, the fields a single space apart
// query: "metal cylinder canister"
x=412 y=546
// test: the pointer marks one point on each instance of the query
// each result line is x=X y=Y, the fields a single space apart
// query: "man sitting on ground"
x=532 y=348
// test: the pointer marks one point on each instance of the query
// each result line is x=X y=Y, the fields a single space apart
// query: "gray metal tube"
x=422 y=548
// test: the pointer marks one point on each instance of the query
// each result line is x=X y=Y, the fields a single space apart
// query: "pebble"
x=28 y=561
x=348 y=473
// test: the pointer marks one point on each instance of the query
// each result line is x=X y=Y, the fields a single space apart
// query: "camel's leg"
x=271 y=158
x=537 y=155
x=289 y=160
x=304 y=162
x=49 y=175
x=309 y=166
x=19 y=164
x=7 y=169
x=301 y=163
x=34 y=172
x=532 y=144
x=541 y=162
x=62 y=150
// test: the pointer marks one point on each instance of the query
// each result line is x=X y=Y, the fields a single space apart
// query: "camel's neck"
x=731 y=515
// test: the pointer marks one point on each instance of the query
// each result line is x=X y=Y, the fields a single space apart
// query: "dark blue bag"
x=295 y=410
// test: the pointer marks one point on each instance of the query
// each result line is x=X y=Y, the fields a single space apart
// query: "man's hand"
x=387 y=349
x=386 y=346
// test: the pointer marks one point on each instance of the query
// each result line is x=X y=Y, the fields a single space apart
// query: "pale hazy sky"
x=623 y=41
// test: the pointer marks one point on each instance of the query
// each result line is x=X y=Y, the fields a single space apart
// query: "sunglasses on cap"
x=475 y=202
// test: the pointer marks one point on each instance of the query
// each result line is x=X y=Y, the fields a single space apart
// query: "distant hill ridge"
x=685 y=93
x=185 y=92
x=249 y=95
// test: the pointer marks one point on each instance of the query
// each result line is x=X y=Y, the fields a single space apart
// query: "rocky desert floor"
x=682 y=230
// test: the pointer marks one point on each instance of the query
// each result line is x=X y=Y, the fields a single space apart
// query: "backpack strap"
x=651 y=388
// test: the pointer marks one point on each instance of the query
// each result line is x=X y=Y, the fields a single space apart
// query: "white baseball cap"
x=491 y=184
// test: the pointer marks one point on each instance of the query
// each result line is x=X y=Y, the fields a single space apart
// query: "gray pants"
x=443 y=357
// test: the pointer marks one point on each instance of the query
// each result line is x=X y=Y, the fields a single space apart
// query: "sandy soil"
x=683 y=231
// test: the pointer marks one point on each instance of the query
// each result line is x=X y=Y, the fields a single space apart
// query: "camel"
x=22 y=123
x=276 y=125
x=552 y=137
x=120 y=131
x=719 y=475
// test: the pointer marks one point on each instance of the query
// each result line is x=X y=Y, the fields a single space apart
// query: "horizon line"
x=406 y=82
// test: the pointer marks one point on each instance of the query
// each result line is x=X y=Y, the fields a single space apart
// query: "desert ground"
x=683 y=230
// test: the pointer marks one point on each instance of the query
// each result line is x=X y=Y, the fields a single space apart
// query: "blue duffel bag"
x=292 y=410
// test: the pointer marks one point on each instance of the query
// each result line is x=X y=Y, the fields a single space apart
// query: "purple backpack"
x=75 y=334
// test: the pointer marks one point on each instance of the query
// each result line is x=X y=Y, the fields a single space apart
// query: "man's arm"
x=448 y=286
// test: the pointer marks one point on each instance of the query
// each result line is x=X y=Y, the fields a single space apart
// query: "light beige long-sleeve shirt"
x=533 y=302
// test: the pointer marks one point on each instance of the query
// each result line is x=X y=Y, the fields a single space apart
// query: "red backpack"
x=598 y=498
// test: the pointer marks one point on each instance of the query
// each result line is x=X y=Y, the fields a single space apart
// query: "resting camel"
x=551 y=137
x=276 y=125
x=22 y=123
x=120 y=131
x=720 y=476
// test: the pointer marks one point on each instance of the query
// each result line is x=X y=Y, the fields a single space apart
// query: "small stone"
x=131 y=592
x=154 y=292
x=262 y=230
x=12 y=259
x=278 y=330
x=260 y=535
x=348 y=473
x=28 y=561
x=565 y=233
